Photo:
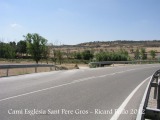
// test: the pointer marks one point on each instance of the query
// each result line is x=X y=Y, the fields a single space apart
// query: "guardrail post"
x=7 y=72
x=50 y=68
x=36 y=69
x=158 y=100
x=156 y=89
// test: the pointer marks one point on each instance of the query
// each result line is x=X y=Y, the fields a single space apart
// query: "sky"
x=78 y=21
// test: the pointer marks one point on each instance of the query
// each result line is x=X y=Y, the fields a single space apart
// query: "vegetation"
x=153 y=54
x=78 y=55
x=7 y=50
x=10 y=51
x=143 y=54
x=140 y=54
x=112 y=56
x=59 y=56
x=145 y=43
x=46 y=53
x=36 y=46
x=22 y=47
x=85 y=55
x=137 y=54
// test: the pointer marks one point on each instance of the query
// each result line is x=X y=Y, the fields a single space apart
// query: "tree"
x=137 y=54
x=13 y=44
x=7 y=50
x=46 y=53
x=87 y=55
x=35 y=45
x=153 y=53
x=10 y=51
x=124 y=52
x=78 y=55
x=131 y=50
x=53 y=58
x=22 y=47
x=143 y=54
x=68 y=53
x=2 y=50
x=59 y=56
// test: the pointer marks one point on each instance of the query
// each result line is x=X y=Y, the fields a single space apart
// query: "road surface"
x=89 y=94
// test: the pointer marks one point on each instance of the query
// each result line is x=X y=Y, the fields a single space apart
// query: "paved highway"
x=109 y=93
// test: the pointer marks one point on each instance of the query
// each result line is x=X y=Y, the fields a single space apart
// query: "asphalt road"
x=87 y=94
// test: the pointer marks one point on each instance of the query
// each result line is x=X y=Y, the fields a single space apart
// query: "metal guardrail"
x=102 y=63
x=12 y=66
x=144 y=111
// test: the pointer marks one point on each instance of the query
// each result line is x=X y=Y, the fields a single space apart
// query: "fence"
x=12 y=66
x=146 y=112
x=102 y=63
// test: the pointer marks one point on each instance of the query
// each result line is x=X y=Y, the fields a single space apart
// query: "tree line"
x=35 y=46
x=140 y=54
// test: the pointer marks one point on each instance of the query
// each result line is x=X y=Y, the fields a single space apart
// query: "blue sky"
x=78 y=21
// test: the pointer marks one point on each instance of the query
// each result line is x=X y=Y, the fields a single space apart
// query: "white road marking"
x=73 y=82
x=83 y=79
x=114 y=73
x=45 y=89
x=123 y=105
x=102 y=76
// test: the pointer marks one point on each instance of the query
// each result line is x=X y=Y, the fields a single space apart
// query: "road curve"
x=87 y=94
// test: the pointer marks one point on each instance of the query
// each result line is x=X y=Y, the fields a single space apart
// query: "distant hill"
x=144 y=43
x=98 y=46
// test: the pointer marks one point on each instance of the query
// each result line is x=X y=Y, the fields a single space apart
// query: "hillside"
x=128 y=45
x=121 y=43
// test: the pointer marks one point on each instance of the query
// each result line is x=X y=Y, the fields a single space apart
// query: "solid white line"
x=143 y=101
x=123 y=105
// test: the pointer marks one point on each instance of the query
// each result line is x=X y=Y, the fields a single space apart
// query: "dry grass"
x=153 y=48
x=110 y=48
x=21 y=71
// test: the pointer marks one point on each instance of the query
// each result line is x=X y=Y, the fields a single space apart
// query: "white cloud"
x=15 y=25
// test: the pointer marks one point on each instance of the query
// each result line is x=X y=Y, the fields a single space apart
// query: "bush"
x=87 y=55
x=78 y=55
x=111 y=56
